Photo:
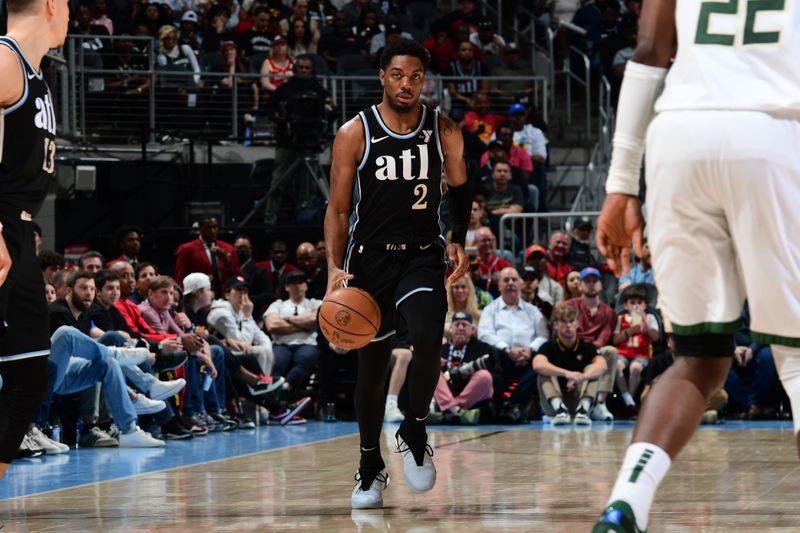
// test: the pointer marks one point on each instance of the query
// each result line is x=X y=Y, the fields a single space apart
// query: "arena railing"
x=517 y=231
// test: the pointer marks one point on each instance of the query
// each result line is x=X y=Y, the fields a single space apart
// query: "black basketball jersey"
x=27 y=141
x=397 y=191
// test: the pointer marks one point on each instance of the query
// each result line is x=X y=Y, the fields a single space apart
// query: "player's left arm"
x=455 y=171
x=621 y=219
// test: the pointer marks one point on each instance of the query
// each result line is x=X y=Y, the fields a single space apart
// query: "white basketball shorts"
x=723 y=197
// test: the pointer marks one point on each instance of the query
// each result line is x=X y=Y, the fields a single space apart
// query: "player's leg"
x=24 y=385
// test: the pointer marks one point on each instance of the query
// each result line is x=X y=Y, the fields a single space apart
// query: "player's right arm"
x=621 y=218
x=348 y=147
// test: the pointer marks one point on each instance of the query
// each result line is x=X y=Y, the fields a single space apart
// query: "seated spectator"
x=207 y=254
x=355 y=8
x=216 y=30
x=534 y=141
x=292 y=324
x=504 y=197
x=277 y=266
x=49 y=292
x=480 y=120
x=531 y=278
x=461 y=296
x=143 y=273
x=463 y=89
x=338 y=40
x=641 y=271
x=516 y=329
x=490 y=264
x=752 y=381
x=129 y=240
x=596 y=323
x=491 y=43
x=516 y=155
x=300 y=12
x=177 y=58
x=150 y=17
x=277 y=67
x=188 y=31
x=232 y=317
x=392 y=26
x=465 y=380
x=634 y=336
x=441 y=48
x=572 y=288
x=91 y=261
x=400 y=358
x=128 y=85
x=483 y=297
x=301 y=40
x=231 y=65
x=549 y=291
x=50 y=262
x=513 y=66
x=557 y=265
x=465 y=14
x=568 y=369
x=366 y=28
x=322 y=11
x=475 y=216
x=257 y=41
x=317 y=278
x=258 y=281
x=580 y=253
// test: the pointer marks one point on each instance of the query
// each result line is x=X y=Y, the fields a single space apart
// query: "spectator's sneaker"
x=161 y=390
x=469 y=417
x=139 y=439
x=290 y=415
x=368 y=492
x=227 y=422
x=197 y=427
x=435 y=417
x=582 y=417
x=212 y=425
x=28 y=448
x=511 y=414
x=601 y=413
x=128 y=356
x=618 y=517
x=392 y=413
x=146 y=406
x=272 y=382
x=113 y=431
x=418 y=469
x=94 y=437
x=47 y=444
x=169 y=361
x=173 y=430
x=244 y=422
x=562 y=417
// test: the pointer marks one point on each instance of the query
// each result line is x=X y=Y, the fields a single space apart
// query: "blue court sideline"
x=87 y=466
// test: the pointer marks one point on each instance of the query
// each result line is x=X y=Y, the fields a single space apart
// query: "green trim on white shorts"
x=707 y=327
x=768 y=338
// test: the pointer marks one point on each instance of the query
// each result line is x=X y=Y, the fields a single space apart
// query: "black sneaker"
x=244 y=422
x=173 y=430
x=227 y=422
x=195 y=426
x=169 y=361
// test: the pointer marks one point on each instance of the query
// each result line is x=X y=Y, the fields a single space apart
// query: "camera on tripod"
x=307 y=120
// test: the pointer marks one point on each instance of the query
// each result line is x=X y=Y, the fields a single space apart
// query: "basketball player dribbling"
x=723 y=182
x=27 y=164
x=383 y=235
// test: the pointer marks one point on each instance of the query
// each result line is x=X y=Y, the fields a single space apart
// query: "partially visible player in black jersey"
x=383 y=234
x=27 y=165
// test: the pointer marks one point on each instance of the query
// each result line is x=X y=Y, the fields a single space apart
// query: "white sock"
x=586 y=403
x=628 y=399
x=644 y=467
x=391 y=399
x=556 y=403
x=787 y=361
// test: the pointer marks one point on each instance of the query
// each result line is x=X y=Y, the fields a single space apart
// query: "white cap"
x=195 y=281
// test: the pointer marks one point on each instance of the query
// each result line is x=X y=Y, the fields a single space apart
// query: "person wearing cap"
x=232 y=317
x=516 y=329
x=549 y=291
x=188 y=31
x=465 y=380
x=580 y=253
x=529 y=291
x=486 y=39
x=391 y=26
x=513 y=66
x=293 y=325
x=596 y=323
x=558 y=248
x=534 y=141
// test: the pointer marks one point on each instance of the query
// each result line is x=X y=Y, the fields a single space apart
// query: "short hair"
x=78 y=274
x=103 y=276
x=141 y=266
x=20 y=6
x=636 y=290
x=261 y=9
x=404 y=47
x=89 y=255
x=122 y=231
x=49 y=258
x=160 y=282
x=564 y=312
x=506 y=163
x=60 y=277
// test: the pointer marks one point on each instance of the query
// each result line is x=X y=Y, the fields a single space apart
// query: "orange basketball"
x=349 y=317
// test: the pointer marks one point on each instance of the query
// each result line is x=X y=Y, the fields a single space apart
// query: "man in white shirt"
x=516 y=329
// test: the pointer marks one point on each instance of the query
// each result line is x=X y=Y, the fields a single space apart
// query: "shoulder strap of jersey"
x=365 y=120
x=438 y=138
x=26 y=71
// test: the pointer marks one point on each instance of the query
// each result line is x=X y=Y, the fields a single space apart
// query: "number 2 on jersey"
x=731 y=7
x=420 y=190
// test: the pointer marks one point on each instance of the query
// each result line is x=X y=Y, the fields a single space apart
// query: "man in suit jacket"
x=208 y=255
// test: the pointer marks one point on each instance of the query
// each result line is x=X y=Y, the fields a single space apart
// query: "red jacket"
x=136 y=322
x=193 y=257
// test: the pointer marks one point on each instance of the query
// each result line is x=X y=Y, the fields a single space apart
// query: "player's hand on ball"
x=620 y=222
x=458 y=258
x=336 y=279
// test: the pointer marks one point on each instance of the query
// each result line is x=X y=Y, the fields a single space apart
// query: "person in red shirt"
x=490 y=264
x=208 y=255
x=479 y=120
x=557 y=266
x=596 y=322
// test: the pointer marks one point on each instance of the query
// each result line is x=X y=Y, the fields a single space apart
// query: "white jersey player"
x=722 y=132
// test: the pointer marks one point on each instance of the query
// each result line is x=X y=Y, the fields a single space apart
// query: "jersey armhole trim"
x=436 y=134
x=365 y=157
x=23 y=63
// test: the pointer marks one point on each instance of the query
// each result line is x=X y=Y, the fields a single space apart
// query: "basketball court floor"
x=732 y=477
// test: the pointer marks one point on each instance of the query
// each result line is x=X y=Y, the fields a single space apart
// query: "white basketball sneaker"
x=371 y=497
x=419 y=476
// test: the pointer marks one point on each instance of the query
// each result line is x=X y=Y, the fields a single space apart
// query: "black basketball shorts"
x=392 y=275
x=22 y=302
